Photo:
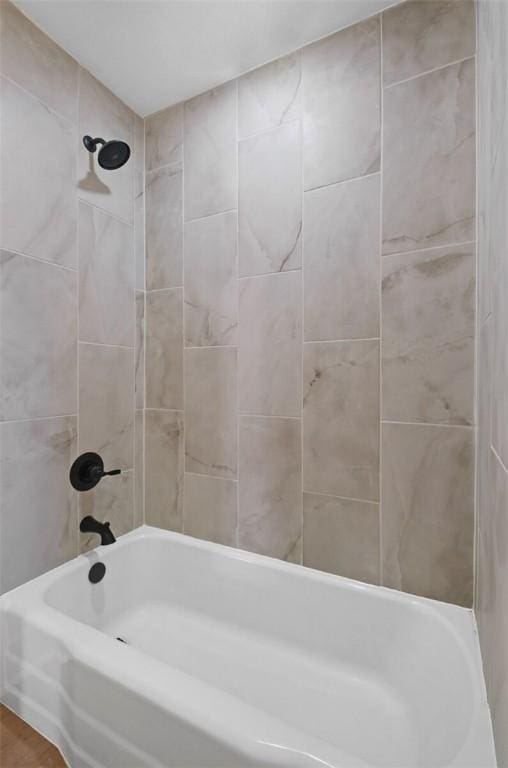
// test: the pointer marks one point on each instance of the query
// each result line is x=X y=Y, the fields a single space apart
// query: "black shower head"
x=112 y=154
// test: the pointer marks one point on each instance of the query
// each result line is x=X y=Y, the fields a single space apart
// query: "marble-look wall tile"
x=138 y=149
x=425 y=34
x=210 y=411
x=270 y=485
x=164 y=465
x=139 y=229
x=427 y=497
x=34 y=61
x=492 y=599
x=101 y=113
x=210 y=152
x=341 y=418
x=500 y=339
x=341 y=128
x=428 y=300
x=270 y=201
x=106 y=278
x=106 y=399
x=38 y=329
x=38 y=184
x=39 y=507
x=112 y=501
x=491 y=596
x=210 y=509
x=139 y=468
x=164 y=137
x=164 y=227
x=341 y=247
x=270 y=95
x=164 y=349
x=270 y=345
x=140 y=350
x=211 y=290
x=341 y=536
x=429 y=160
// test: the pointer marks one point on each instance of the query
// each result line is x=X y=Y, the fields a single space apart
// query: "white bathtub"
x=234 y=660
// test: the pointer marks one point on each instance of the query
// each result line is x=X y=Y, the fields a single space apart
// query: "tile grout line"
x=428 y=424
x=380 y=308
x=38 y=259
x=78 y=397
x=340 y=182
x=238 y=335
x=101 y=344
x=38 y=418
x=302 y=304
x=478 y=326
x=342 y=498
x=34 y=97
x=267 y=131
x=426 y=249
x=104 y=211
x=184 y=356
x=428 y=72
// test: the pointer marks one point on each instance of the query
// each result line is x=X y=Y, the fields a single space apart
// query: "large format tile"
x=428 y=302
x=39 y=507
x=38 y=186
x=34 y=61
x=210 y=508
x=341 y=536
x=341 y=418
x=210 y=411
x=164 y=349
x=140 y=350
x=106 y=404
x=164 y=227
x=139 y=468
x=102 y=114
x=425 y=34
x=270 y=95
x=164 y=137
x=38 y=311
x=500 y=320
x=112 y=501
x=429 y=160
x=138 y=148
x=427 y=521
x=210 y=152
x=270 y=345
x=164 y=462
x=139 y=229
x=270 y=487
x=211 y=291
x=270 y=201
x=106 y=278
x=341 y=263
x=341 y=108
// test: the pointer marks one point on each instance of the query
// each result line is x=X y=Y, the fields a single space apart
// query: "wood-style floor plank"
x=22 y=747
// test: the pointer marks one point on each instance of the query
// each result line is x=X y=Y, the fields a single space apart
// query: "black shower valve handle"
x=97 y=472
x=88 y=470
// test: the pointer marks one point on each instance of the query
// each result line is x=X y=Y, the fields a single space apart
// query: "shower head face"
x=113 y=154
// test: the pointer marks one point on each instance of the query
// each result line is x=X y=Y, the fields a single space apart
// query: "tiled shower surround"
x=72 y=258
x=491 y=601
x=310 y=305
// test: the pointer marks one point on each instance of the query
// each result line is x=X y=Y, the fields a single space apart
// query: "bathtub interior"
x=329 y=657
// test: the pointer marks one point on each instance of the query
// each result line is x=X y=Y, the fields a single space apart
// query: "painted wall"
x=492 y=468
x=310 y=306
x=72 y=258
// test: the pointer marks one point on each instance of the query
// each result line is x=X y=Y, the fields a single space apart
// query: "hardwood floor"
x=22 y=747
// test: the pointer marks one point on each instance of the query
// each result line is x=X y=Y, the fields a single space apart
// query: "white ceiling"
x=154 y=53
